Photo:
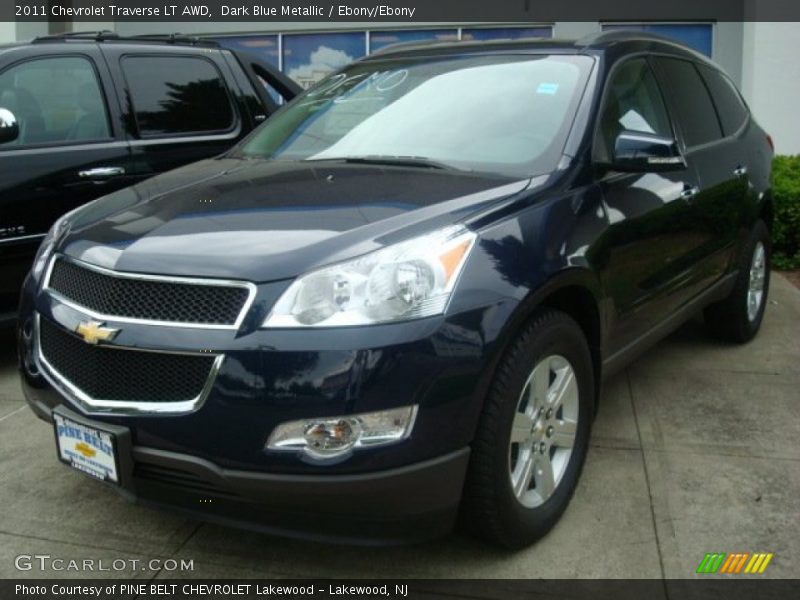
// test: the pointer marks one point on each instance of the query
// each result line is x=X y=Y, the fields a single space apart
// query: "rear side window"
x=174 y=95
x=730 y=107
x=693 y=105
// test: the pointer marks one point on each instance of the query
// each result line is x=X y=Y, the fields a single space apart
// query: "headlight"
x=327 y=437
x=409 y=280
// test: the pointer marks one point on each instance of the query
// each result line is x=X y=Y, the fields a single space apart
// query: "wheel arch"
x=576 y=292
x=581 y=305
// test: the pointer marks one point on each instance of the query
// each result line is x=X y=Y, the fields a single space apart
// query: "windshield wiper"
x=396 y=161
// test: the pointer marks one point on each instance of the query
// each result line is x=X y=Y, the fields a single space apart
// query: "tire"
x=732 y=319
x=492 y=509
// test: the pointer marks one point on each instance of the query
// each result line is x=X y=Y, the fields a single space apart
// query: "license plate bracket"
x=87 y=447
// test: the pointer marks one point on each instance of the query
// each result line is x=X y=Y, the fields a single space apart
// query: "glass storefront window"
x=698 y=36
x=505 y=33
x=309 y=57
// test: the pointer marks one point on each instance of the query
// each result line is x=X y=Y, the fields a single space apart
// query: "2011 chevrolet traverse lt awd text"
x=394 y=302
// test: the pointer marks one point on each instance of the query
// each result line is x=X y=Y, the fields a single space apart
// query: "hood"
x=265 y=220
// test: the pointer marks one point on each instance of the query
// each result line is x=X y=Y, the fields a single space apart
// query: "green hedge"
x=786 y=194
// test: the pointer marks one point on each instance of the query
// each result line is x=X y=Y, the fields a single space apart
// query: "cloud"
x=323 y=60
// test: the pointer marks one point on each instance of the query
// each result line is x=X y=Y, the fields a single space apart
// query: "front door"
x=69 y=152
x=649 y=232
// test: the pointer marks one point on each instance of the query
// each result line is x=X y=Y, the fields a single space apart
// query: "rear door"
x=734 y=116
x=719 y=160
x=71 y=148
x=179 y=105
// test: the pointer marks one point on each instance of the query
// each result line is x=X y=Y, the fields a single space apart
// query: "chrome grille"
x=126 y=296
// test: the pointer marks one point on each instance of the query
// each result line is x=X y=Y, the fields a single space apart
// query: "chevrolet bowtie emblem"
x=84 y=449
x=93 y=332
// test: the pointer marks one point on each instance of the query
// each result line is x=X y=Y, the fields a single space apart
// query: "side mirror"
x=9 y=128
x=634 y=151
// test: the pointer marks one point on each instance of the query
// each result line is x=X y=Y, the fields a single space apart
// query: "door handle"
x=690 y=192
x=740 y=171
x=101 y=172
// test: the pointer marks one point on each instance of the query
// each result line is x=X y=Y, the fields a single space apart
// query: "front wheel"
x=533 y=435
x=738 y=317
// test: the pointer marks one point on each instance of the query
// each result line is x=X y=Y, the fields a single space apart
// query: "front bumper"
x=407 y=504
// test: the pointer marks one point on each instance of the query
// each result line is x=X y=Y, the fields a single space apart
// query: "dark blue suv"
x=394 y=302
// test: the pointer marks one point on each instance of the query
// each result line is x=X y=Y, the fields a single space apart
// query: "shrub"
x=786 y=195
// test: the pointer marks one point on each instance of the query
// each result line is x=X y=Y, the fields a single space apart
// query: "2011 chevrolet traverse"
x=395 y=301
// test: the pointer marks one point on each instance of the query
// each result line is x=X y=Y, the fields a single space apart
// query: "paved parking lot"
x=696 y=449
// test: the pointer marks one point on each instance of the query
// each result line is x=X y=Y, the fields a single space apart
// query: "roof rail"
x=621 y=35
x=466 y=44
x=412 y=44
x=112 y=36
x=173 y=38
x=98 y=36
x=632 y=35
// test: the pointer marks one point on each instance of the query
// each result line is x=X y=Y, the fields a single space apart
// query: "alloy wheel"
x=543 y=432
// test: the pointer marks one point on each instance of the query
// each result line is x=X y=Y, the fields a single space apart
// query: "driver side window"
x=633 y=102
x=55 y=100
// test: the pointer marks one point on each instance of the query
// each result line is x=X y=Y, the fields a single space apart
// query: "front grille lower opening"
x=124 y=375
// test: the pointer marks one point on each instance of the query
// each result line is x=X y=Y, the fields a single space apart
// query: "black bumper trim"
x=422 y=487
x=407 y=504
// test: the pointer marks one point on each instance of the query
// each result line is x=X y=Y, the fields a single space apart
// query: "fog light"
x=333 y=436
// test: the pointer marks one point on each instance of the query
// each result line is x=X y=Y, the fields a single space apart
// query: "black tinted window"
x=633 y=102
x=55 y=100
x=730 y=107
x=173 y=95
x=696 y=113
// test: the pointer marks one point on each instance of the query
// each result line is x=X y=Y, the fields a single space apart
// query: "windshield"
x=505 y=114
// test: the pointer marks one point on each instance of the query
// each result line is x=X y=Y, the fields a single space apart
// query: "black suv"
x=85 y=114
x=396 y=300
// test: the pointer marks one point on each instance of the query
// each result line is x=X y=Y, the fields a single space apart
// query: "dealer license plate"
x=86 y=449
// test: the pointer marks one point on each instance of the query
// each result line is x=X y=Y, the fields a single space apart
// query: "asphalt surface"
x=696 y=449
